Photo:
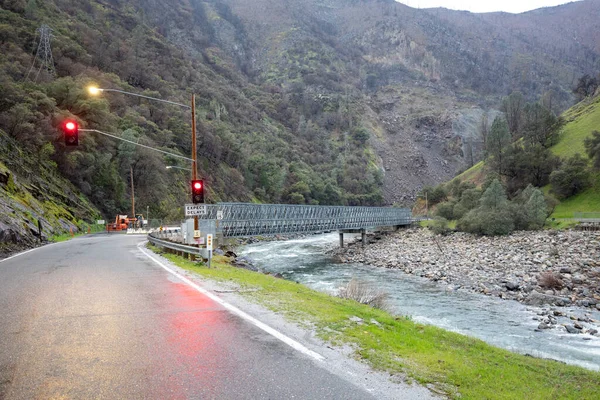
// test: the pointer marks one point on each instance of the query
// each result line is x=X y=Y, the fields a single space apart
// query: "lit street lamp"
x=93 y=90
x=175 y=166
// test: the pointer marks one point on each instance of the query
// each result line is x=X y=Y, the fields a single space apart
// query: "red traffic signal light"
x=197 y=191
x=71 y=131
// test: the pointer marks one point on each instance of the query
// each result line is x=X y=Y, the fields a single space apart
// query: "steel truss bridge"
x=243 y=219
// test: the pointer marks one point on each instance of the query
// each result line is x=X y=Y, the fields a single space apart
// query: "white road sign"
x=220 y=214
x=195 y=209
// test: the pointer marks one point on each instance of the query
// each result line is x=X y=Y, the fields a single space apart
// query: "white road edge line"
x=285 y=339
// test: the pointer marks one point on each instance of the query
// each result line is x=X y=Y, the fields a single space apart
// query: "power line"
x=135 y=143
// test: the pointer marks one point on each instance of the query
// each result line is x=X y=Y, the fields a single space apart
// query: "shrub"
x=445 y=210
x=571 y=178
x=550 y=280
x=439 y=226
x=364 y=293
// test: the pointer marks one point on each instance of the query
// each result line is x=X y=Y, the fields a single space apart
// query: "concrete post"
x=341 y=240
x=363 y=234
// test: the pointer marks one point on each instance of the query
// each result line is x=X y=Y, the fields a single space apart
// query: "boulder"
x=538 y=299
x=572 y=329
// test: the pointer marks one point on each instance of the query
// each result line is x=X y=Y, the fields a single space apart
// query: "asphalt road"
x=95 y=318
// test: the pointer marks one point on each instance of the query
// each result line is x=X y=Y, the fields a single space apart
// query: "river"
x=503 y=323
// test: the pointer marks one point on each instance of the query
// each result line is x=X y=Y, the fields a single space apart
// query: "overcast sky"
x=512 y=6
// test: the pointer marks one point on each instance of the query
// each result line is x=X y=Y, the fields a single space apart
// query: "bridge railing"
x=244 y=219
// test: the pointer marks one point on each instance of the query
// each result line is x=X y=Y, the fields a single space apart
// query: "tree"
x=445 y=210
x=586 y=86
x=512 y=107
x=536 y=209
x=592 y=148
x=498 y=142
x=493 y=216
x=468 y=201
x=540 y=125
x=571 y=178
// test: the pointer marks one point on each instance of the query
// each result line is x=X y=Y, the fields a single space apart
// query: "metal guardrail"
x=173 y=245
x=243 y=219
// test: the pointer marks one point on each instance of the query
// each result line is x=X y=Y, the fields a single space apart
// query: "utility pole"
x=132 y=194
x=194 y=164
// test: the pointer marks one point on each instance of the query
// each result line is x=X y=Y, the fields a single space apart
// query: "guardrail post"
x=342 y=239
x=363 y=234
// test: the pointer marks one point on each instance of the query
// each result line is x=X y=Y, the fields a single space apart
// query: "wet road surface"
x=95 y=318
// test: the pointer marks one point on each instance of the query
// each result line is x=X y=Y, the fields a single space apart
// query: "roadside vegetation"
x=453 y=364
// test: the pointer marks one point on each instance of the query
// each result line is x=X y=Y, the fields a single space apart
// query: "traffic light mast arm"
x=137 y=144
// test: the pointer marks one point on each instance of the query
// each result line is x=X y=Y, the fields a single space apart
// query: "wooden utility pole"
x=194 y=168
x=132 y=194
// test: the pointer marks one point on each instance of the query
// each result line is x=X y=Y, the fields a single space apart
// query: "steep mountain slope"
x=304 y=101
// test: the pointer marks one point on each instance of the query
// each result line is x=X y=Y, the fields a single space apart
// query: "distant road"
x=95 y=318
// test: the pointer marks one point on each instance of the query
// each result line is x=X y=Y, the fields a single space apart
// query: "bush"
x=469 y=200
x=364 y=293
x=439 y=226
x=571 y=178
x=445 y=210
x=550 y=280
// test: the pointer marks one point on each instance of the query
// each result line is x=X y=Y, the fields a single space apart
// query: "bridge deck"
x=243 y=219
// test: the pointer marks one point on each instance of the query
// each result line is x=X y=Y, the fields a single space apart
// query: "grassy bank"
x=459 y=366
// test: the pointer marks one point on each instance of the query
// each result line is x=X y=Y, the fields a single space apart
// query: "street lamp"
x=94 y=91
x=175 y=166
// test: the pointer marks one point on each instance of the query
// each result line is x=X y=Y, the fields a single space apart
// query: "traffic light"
x=71 y=131
x=197 y=191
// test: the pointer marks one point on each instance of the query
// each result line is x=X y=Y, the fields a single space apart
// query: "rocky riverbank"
x=556 y=268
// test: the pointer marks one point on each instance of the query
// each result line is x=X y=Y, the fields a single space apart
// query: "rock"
x=230 y=254
x=356 y=319
x=544 y=325
x=578 y=326
x=593 y=332
x=572 y=329
x=512 y=285
x=538 y=299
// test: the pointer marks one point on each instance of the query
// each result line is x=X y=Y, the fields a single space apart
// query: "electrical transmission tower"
x=44 y=53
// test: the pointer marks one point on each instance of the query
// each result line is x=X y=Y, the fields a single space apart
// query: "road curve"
x=95 y=318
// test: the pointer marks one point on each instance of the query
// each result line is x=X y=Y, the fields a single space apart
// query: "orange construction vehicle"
x=122 y=222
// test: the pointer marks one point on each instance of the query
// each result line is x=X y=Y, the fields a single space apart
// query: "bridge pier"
x=363 y=234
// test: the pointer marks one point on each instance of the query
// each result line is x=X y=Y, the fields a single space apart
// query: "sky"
x=512 y=6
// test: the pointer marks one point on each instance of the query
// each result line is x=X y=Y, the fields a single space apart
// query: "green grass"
x=473 y=174
x=586 y=201
x=460 y=366
x=582 y=120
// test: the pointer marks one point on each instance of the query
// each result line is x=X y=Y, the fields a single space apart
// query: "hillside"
x=309 y=102
x=581 y=120
x=30 y=193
